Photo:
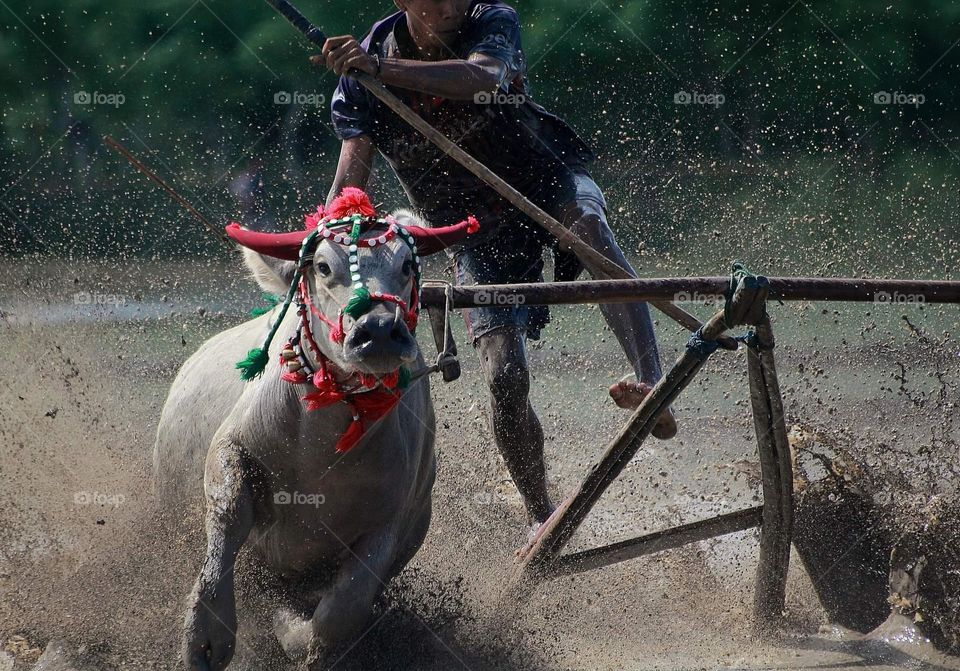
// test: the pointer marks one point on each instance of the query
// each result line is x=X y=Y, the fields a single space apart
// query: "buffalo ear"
x=273 y=275
x=406 y=217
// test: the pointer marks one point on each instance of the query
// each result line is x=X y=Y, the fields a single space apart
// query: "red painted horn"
x=433 y=240
x=278 y=245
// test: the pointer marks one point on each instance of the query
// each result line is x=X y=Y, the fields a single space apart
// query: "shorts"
x=515 y=255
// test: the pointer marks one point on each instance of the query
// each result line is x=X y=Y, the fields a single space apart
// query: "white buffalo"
x=322 y=460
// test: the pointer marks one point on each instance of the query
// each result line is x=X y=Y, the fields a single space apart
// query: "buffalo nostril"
x=361 y=336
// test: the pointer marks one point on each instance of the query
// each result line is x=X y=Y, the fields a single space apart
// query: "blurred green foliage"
x=199 y=81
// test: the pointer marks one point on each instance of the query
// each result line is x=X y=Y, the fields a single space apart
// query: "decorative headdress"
x=350 y=215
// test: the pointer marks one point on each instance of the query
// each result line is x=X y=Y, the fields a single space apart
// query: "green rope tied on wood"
x=700 y=347
x=750 y=339
x=738 y=273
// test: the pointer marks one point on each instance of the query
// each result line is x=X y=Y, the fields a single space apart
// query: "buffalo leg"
x=211 y=622
x=346 y=607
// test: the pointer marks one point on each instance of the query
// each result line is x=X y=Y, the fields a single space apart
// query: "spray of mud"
x=85 y=556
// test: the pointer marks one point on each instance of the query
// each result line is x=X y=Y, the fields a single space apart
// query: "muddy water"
x=84 y=556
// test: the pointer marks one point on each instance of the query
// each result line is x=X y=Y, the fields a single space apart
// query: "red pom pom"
x=312 y=219
x=472 y=224
x=350 y=201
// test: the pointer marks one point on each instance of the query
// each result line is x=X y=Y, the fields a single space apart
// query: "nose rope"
x=337 y=334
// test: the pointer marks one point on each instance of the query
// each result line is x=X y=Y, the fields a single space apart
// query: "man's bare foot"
x=629 y=395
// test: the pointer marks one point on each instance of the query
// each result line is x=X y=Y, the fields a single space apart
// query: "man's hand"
x=344 y=53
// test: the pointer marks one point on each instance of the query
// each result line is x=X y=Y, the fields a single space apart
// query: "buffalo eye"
x=407 y=267
x=323 y=268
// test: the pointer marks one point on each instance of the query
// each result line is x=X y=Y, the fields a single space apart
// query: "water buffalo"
x=320 y=458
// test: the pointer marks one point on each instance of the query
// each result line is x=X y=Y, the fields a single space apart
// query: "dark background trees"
x=200 y=82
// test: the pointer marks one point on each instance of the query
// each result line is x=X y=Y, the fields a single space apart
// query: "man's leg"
x=630 y=322
x=515 y=425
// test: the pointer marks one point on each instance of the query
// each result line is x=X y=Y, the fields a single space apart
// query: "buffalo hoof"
x=209 y=636
x=293 y=632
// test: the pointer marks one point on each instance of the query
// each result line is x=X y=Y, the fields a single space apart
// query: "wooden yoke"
x=539 y=556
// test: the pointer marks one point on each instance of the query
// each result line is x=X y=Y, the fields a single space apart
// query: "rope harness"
x=370 y=397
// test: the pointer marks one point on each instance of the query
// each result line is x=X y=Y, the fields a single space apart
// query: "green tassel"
x=403 y=378
x=254 y=365
x=271 y=299
x=359 y=303
x=256 y=361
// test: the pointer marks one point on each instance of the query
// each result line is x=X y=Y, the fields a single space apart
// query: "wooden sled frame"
x=543 y=559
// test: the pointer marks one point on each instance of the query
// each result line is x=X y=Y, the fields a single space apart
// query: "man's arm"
x=354 y=166
x=453 y=79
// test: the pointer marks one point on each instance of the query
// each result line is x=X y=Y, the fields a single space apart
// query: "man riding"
x=460 y=66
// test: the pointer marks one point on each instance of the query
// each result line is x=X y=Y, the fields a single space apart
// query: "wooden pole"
x=442 y=335
x=776 y=531
x=708 y=289
x=658 y=541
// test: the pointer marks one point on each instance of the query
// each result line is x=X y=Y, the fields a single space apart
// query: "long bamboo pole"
x=152 y=176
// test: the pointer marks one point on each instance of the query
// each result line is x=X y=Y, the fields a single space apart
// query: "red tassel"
x=374 y=405
x=312 y=219
x=472 y=224
x=326 y=392
x=322 y=398
x=351 y=436
x=350 y=201
x=390 y=379
x=294 y=377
